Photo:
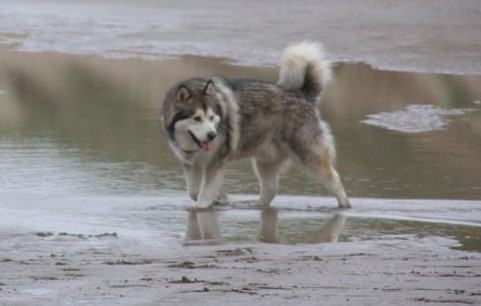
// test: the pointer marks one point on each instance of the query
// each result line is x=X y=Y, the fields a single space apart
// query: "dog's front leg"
x=193 y=177
x=210 y=186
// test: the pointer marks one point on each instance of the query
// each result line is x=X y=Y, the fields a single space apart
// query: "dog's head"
x=193 y=115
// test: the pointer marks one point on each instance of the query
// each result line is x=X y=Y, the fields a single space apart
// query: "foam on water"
x=415 y=118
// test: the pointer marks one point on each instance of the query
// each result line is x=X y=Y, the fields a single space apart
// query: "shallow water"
x=84 y=126
x=78 y=125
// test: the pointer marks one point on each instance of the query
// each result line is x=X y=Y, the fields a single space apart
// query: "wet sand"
x=72 y=271
x=110 y=251
x=90 y=251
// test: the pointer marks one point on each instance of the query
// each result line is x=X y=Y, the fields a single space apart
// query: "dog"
x=212 y=121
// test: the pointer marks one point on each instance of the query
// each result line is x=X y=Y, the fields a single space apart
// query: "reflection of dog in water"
x=329 y=232
x=212 y=121
x=203 y=228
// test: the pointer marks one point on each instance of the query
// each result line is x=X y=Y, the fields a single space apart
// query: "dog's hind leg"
x=319 y=162
x=268 y=174
x=322 y=167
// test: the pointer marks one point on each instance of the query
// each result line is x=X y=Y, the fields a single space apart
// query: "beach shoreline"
x=426 y=36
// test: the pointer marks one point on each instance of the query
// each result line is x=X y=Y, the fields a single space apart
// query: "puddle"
x=165 y=222
x=306 y=220
x=88 y=127
x=415 y=118
x=203 y=228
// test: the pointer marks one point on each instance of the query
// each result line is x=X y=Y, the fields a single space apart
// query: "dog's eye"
x=211 y=118
x=197 y=118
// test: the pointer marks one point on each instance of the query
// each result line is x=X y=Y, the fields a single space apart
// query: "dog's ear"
x=183 y=94
x=209 y=88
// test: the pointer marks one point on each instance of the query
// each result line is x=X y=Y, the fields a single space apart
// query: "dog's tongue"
x=205 y=146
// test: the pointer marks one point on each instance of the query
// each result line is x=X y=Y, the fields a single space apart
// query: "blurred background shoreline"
x=422 y=36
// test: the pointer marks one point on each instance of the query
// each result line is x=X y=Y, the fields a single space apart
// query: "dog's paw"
x=203 y=204
x=345 y=203
x=221 y=199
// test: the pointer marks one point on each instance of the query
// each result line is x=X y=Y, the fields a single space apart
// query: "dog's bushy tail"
x=303 y=67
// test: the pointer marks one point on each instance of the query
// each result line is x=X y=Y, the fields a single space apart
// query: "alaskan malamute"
x=211 y=121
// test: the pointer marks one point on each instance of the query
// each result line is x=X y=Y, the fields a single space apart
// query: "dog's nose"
x=211 y=136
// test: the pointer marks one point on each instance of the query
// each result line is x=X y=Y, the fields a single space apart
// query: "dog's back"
x=270 y=114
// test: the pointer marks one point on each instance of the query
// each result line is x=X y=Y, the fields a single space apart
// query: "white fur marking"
x=295 y=60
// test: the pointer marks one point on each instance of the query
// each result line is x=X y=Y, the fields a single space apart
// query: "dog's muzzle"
x=204 y=145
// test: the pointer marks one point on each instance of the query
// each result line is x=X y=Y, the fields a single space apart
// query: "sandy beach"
x=104 y=271
x=81 y=251
x=93 y=209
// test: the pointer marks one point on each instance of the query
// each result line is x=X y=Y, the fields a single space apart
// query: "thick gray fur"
x=269 y=123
